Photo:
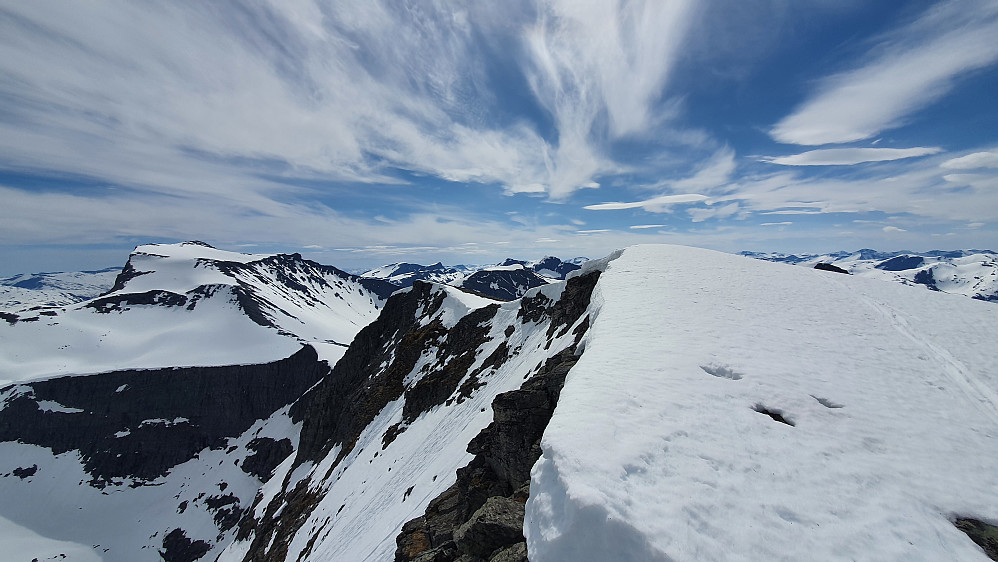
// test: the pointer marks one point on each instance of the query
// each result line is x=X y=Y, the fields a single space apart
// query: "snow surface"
x=20 y=543
x=658 y=449
x=83 y=341
x=306 y=306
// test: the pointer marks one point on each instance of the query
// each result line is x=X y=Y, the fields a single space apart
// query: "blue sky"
x=361 y=133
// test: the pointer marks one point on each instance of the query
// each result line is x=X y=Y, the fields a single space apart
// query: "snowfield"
x=667 y=442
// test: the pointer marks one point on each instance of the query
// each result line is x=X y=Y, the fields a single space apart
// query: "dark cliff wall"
x=201 y=406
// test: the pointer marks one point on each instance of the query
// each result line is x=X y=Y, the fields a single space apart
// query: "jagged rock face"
x=336 y=410
x=472 y=518
x=413 y=362
x=505 y=451
x=137 y=425
x=503 y=284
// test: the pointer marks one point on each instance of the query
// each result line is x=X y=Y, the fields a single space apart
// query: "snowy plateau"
x=662 y=403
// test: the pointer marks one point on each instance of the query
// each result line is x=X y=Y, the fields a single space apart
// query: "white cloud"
x=658 y=204
x=595 y=231
x=981 y=182
x=910 y=68
x=595 y=60
x=849 y=156
x=785 y=223
x=716 y=212
x=893 y=229
x=714 y=172
x=793 y=212
x=644 y=226
x=332 y=91
x=986 y=159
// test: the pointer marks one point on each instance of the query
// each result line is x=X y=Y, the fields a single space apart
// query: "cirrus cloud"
x=849 y=156
x=658 y=204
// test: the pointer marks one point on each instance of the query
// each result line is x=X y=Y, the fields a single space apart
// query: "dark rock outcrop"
x=504 y=453
x=829 y=267
x=140 y=424
x=178 y=548
x=983 y=534
x=117 y=302
x=267 y=454
x=926 y=278
x=494 y=526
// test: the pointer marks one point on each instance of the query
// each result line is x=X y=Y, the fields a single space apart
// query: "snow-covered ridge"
x=972 y=273
x=726 y=408
x=193 y=305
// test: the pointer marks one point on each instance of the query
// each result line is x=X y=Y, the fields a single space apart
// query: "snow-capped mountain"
x=193 y=305
x=23 y=292
x=555 y=268
x=405 y=274
x=664 y=403
x=972 y=273
x=503 y=282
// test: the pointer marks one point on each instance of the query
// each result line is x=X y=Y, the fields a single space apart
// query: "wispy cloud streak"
x=907 y=70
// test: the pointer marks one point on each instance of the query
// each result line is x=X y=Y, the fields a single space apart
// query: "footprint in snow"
x=826 y=402
x=721 y=371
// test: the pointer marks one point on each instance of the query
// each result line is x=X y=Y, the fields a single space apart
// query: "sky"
x=364 y=133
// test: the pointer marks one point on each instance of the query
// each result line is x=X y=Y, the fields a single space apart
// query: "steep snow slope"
x=191 y=304
x=730 y=409
x=23 y=292
x=972 y=273
x=384 y=433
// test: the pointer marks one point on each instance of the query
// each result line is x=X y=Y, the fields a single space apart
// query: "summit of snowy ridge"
x=725 y=408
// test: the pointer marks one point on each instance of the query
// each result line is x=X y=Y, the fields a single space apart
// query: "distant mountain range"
x=972 y=273
x=23 y=292
x=506 y=281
